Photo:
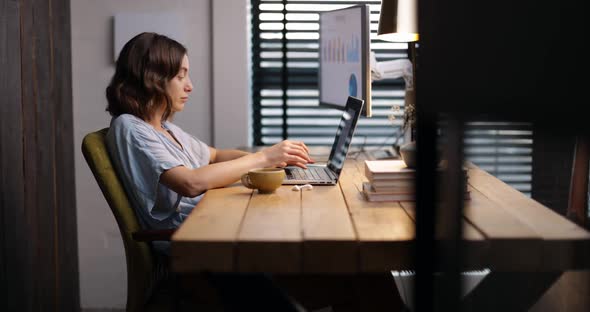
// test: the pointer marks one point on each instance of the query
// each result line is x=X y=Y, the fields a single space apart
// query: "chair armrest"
x=153 y=235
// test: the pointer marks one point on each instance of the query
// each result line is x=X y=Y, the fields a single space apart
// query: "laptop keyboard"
x=313 y=173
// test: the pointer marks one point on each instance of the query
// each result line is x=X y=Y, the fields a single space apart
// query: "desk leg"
x=509 y=291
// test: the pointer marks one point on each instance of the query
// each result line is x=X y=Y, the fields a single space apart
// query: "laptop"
x=327 y=174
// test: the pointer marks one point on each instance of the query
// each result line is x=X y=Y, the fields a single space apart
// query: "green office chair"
x=146 y=270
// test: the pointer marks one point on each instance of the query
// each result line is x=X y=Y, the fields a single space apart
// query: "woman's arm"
x=219 y=155
x=192 y=182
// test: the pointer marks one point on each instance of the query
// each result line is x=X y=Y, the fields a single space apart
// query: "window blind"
x=285 y=95
x=503 y=149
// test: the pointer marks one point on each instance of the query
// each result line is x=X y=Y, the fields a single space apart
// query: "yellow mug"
x=265 y=180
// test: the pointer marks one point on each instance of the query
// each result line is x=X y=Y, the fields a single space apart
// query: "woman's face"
x=180 y=86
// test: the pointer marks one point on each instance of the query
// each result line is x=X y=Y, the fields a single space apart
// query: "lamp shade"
x=398 y=21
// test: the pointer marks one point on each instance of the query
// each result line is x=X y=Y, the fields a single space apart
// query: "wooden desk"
x=333 y=230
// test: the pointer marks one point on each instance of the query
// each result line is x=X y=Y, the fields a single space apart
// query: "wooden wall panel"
x=67 y=249
x=33 y=145
x=15 y=256
x=38 y=213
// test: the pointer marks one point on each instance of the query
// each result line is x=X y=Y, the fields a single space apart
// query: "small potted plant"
x=408 y=150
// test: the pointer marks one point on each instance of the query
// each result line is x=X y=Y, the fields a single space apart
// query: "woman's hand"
x=288 y=153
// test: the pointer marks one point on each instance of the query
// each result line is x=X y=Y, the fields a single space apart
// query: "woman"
x=164 y=170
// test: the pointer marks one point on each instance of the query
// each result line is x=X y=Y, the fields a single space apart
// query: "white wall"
x=230 y=74
x=101 y=252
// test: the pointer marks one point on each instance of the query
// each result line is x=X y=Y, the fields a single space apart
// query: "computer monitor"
x=344 y=68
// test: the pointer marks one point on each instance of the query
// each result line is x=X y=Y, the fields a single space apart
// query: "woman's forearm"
x=228 y=168
x=192 y=182
x=230 y=154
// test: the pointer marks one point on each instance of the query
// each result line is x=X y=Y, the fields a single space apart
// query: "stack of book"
x=392 y=180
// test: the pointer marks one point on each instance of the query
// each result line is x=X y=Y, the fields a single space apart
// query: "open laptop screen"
x=344 y=134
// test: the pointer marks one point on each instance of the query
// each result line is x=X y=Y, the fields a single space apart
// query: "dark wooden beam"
x=38 y=211
x=15 y=255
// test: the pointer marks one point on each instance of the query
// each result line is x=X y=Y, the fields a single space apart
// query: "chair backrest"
x=140 y=258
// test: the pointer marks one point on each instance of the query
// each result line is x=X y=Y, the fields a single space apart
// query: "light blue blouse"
x=140 y=155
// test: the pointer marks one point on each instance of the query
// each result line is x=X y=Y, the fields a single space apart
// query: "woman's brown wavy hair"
x=145 y=65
